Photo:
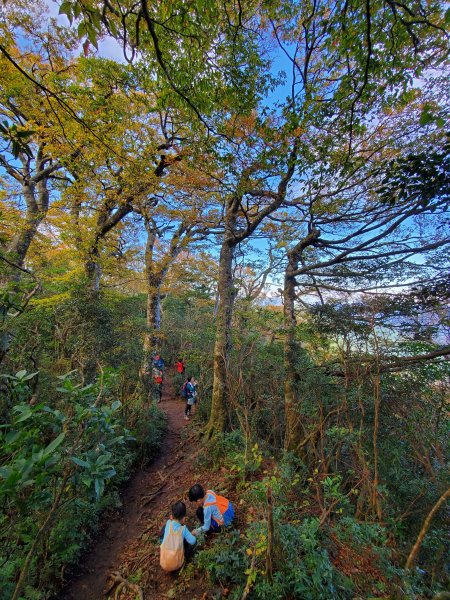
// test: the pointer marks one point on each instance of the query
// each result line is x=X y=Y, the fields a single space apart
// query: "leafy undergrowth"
x=61 y=465
x=306 y=556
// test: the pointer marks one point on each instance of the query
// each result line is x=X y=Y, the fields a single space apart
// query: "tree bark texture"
x=227 y=294
x=93 y=269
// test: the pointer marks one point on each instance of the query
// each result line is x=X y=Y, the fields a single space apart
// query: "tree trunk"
x=93 y=270
x=151 y=336
x=415 y=549
x=294 y=430
x=19 y=245
x=36 y=196
x=227 y=294
x=153 y=285
x=295 y=439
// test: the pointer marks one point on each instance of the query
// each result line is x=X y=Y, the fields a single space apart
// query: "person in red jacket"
x=158 y=379
x=181 y=368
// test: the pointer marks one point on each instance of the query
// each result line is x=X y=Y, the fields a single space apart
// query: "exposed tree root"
x=122 y=585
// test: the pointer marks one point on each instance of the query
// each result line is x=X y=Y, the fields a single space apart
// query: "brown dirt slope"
x=128 y=545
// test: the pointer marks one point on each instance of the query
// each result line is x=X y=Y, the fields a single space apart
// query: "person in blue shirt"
x=158 y=362
x=188 y=393
x=176 y=522
x=213 y=511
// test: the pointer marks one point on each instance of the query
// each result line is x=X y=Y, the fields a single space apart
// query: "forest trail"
x=129 y=541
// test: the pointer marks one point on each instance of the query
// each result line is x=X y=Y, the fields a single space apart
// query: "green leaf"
x=113 y=28
x=80 y=463
x=29 y=376
x=53 y=445
x=92 y=36
x=99 y=487
x=65 y=8
x=426 y=116
x=96 y=20
x=12 y=436
x=110 y=473
x=26 y=414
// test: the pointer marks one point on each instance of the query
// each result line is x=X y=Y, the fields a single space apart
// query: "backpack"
x=184 y=392
x=172 y=550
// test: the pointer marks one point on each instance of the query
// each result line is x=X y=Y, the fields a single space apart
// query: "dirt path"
x=132 y=535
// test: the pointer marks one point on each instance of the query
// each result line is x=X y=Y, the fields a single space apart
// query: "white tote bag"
x=172 y=550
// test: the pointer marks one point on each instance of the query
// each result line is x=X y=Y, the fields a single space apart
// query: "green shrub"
x=60 y=466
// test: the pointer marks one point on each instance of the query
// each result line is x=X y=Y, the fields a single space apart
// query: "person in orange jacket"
x=213 y=511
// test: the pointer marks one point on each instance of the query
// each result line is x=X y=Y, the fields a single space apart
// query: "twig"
x=270 y=537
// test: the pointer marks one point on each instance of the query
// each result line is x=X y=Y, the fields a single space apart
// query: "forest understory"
x=252 y=197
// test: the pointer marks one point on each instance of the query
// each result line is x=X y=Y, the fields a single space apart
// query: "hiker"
x=194 y=383
x=176 y=540
x=213 y=511
x=158 y=362
x=181 y=368
x=158 y=381
x=158 y=375
x=187 y=392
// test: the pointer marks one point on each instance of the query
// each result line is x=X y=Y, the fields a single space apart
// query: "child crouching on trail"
x=176 y=540
x=213 y=511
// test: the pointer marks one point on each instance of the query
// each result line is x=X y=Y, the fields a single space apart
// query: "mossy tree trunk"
x=222 y=346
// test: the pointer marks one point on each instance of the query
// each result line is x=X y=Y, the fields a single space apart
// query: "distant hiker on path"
x=213 y=511
x=158 y=375
x=158 y=362
x=195 y=386
x=176 y=540
x=187 y=392
x=158 y=382
x=180 y=368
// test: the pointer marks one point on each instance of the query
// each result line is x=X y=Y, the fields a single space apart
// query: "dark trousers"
x=187 y=410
